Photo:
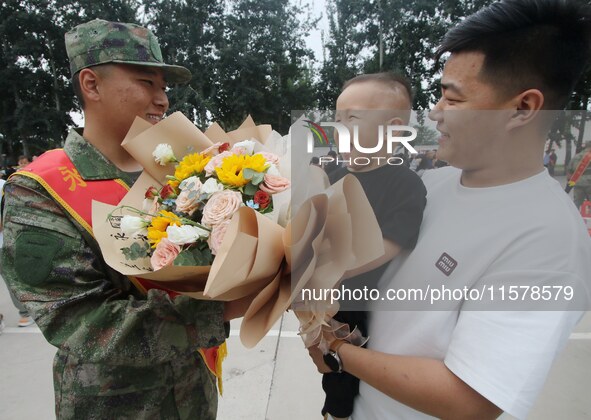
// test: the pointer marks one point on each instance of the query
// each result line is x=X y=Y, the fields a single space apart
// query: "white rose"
x=133 y=226
x=211 y=186
x=246 y=145
x=273 y=170
x=185 y=234
x=163 y=154
x=194 y=182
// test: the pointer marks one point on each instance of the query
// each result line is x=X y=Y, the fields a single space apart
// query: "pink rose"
x=221 y=206
x=270 y=158
x=164 y=254
x=186 y=204
x=273 y=184
x=188 y=200
x=216 y=237
x=215 y=162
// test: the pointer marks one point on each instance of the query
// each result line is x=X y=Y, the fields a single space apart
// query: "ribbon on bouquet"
x=332 y=232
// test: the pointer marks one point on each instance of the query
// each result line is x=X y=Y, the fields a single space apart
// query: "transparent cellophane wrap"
x=332 y=230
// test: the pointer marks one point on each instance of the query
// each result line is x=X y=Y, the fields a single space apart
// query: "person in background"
x=581 y=162
x=315 y=161
x=438 y=163
x=23 y=161
x=333 y=165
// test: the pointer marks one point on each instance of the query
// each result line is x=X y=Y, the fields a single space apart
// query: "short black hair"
x=541 y=44
x=102 y=68
x=315 y=160
x=391 y=79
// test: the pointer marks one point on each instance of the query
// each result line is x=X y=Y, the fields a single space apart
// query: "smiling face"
x=127 y=91
x=368 y=105
x=471 y=115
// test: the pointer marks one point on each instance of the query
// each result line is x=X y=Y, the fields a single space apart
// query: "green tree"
x=348 y=20
x=36 y=98
x=190 y=33
x=264 y=66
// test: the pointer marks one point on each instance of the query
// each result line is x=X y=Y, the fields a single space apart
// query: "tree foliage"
x=36 y=98
x=246 y=56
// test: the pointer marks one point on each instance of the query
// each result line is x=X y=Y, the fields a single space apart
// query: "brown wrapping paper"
x=333 y=230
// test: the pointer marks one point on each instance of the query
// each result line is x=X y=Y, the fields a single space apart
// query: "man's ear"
x=396 y=121
x=89 y=81
x=527 y=105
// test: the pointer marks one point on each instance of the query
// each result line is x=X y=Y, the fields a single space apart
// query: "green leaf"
x=136 y=251
x=258 y=178
x=267 y=209
x=248 y=173
x=250 y=189
x=194 y=257
x=185 y=258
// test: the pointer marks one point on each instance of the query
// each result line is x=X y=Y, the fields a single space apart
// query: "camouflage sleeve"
x=83 y=307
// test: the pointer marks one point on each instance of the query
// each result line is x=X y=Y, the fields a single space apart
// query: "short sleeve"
x=400 y=211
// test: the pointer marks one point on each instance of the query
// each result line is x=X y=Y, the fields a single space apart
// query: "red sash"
x=57 y=174
x=580 y=169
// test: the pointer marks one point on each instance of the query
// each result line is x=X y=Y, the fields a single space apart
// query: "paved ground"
x=274 y=381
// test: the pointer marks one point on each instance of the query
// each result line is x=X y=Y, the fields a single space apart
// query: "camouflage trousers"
x=180 y=389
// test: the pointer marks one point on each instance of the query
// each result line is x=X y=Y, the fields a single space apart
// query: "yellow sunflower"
x=157 y=228
x=191 y=164
x=232 y=167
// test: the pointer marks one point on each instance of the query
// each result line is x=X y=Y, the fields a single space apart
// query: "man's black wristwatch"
x=332 y=359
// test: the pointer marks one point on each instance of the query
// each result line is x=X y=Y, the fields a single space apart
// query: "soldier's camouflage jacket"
x=120 y=354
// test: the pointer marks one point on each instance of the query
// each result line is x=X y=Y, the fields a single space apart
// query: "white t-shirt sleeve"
x=506 y=356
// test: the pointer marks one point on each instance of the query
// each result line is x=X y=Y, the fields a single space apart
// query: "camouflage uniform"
x=99 y=42
x=582 y=189
x=120 y=354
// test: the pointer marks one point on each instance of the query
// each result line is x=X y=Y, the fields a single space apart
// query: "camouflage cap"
x=99 y=42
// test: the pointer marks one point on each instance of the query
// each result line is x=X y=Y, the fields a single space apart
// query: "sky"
x=314 y=41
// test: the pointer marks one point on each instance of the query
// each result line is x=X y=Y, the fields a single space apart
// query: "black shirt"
x=398 y=198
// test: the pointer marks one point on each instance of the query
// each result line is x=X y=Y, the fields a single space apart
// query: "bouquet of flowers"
x=201 y=220
x=184 y=222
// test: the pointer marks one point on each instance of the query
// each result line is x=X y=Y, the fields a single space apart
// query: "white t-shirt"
x=525 y=233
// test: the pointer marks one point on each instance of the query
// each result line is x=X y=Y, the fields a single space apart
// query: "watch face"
x=331 y=362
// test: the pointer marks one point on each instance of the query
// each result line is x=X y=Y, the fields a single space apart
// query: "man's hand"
x=316 y=355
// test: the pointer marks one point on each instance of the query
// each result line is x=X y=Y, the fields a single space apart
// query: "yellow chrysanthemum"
x=230 y=171
x=191 y=164
x=158 y=225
